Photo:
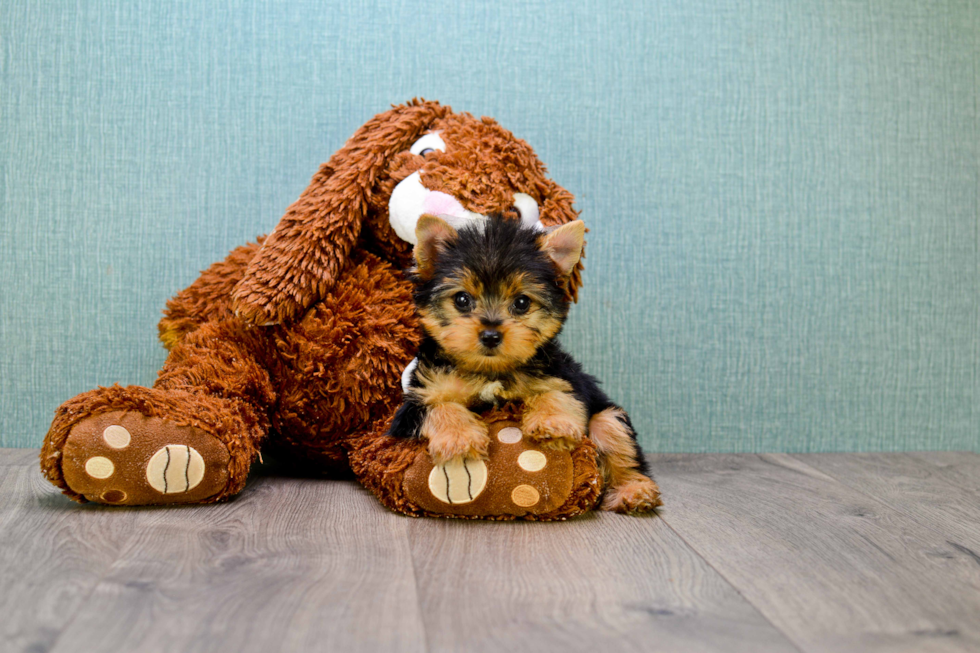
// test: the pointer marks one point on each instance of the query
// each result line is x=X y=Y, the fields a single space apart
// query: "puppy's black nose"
x=490 y=338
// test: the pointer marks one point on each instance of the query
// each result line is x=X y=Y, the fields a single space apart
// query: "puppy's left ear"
x=431 y=234
x=564 y=246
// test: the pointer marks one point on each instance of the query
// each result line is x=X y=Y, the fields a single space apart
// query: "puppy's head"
x=492 y=293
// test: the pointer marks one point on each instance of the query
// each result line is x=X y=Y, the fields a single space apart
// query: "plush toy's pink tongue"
x=438 y=203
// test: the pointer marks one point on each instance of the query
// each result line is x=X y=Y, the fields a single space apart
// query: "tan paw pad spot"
x=510 y=435
x=99 y=467
x=114 y=496
x=116 y=436
x=532 y=461
x=175 y=468
x=525 y=496
x=459 y=481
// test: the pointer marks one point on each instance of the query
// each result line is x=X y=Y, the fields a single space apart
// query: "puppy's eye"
x=463 y=301
x=426 y=151
x=520 y=305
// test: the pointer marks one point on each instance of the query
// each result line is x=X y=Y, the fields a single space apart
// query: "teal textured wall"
x=783 y=196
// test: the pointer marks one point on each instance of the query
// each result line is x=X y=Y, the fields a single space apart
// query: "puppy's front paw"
x=637 y=494
x=554 y=430
x=556 y=419
x=454 y=432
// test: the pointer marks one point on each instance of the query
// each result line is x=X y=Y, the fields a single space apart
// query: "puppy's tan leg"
x=627 y=489
x=454 y=431
x=555 y=418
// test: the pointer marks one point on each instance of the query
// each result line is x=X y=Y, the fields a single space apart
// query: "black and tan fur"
x=492 y=299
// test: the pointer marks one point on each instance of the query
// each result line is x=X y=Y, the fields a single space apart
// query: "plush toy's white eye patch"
x=428 y=142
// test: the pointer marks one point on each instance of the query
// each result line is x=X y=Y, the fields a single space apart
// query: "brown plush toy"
x=295 y=345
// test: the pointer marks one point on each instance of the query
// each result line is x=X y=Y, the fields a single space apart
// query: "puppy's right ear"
x=431 y=234
x=564 y=246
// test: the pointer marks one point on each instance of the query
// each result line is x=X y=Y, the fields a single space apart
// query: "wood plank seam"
x=789 y=638
x=721 y=575
x=415 y=582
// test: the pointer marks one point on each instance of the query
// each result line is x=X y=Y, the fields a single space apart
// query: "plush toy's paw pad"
x=637 y=495
x=126 y=458
x=458 y=481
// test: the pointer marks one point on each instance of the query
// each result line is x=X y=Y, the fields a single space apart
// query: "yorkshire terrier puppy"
x=492 y=299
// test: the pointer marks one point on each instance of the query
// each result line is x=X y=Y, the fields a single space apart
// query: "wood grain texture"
x=960 y=468
x=604 y=582
x=291 y=565
x=831 y=567
x=751 y=553
x=52 y=553
x=913 y=487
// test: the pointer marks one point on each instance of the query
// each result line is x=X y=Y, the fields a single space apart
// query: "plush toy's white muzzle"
x=411 y=199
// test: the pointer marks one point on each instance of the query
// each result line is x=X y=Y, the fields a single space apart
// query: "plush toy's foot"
x=518 y=479
x=144 y=446
x=634 y=495
x=125 y=458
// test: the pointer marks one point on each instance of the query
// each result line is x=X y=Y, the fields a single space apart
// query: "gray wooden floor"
x=822 y=552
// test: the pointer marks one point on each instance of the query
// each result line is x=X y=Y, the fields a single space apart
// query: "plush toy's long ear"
x=301 y=258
